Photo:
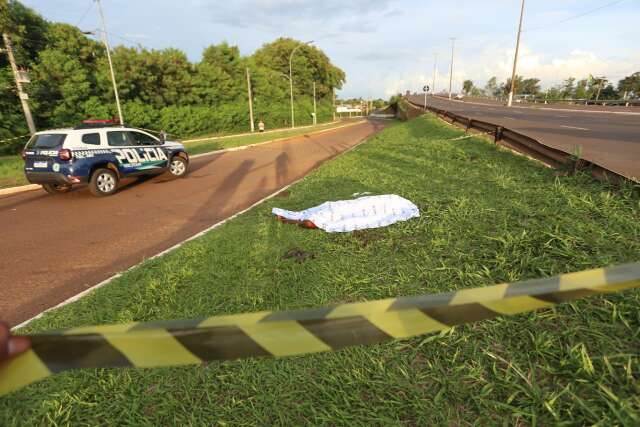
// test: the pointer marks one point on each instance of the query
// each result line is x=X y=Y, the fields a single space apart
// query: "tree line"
x=159 y=89
x=591 y=88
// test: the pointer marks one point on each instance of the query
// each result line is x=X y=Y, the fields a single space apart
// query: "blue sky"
x=386 y=46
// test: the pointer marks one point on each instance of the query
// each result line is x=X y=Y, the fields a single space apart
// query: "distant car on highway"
x=459 y=96
x=99 y=153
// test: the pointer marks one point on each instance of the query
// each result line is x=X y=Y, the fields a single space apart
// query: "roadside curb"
x=21 y=189
x=31 y=187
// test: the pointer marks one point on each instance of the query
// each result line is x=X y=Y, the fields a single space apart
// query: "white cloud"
x=274 y=15
x=551 y=70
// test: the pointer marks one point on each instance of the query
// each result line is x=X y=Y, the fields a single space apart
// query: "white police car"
x=100 y=153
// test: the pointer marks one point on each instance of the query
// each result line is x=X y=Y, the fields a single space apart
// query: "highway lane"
x=54 y=247
x=611 y=140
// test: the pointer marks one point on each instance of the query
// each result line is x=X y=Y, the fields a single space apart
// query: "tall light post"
x=314 y=103
x=515 y=58
x=435 y=65
x=293 y=124
x=113 y=76
x=453 y=42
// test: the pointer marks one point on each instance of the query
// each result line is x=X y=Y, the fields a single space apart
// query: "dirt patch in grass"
x=298 y=255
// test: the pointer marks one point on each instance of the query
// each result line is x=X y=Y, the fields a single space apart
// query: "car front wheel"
x=104 y=182
x=56 y=188
x=178 y=166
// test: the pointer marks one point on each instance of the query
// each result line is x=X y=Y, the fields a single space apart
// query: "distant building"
x=348 y=109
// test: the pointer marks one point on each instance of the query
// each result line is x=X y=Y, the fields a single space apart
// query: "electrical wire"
x=571 y=18
x=86 y=12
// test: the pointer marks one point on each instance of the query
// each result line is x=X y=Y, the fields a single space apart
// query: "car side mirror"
x=163 y=137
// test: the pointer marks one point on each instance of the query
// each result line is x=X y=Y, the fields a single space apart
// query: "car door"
x=123 y=149
x=150 y=151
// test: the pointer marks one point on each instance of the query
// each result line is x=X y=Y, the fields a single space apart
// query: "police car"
x=99 y=153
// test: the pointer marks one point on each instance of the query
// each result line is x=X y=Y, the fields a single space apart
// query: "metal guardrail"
x=524 y=144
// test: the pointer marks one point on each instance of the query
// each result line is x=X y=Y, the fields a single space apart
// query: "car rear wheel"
x=178 y=166
x=56 y=188
x=104 y=182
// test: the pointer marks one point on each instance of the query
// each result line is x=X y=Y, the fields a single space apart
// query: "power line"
x=84 y=15
x=580 y=15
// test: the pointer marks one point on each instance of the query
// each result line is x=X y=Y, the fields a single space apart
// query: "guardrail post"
x=469 y=126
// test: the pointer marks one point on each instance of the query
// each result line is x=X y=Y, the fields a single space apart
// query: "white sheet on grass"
x=357 y=214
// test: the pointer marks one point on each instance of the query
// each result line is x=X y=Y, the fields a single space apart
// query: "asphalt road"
x=54 y=247
x=611 y=139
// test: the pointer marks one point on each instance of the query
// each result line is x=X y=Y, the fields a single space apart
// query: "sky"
x=388 y=46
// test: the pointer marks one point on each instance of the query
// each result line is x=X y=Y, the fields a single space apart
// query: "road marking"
x=560 y=115
x=573 y=127
x=507 y=117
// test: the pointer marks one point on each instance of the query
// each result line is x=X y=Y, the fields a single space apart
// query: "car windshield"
x=47 y=140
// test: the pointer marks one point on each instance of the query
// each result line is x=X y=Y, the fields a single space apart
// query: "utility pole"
x=602 y=79
x=22 y=95
x=314 y=104
x=333 y=94
x=113 y=76
x=250 y=101
x=515 y=58
x=453 y=42
x=293 y=123
x=435 y=64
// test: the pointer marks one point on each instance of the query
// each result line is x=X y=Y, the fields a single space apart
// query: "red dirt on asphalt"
x=54 y=247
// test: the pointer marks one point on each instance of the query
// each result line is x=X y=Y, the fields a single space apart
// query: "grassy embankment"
x=11 y=167
x=488 y=216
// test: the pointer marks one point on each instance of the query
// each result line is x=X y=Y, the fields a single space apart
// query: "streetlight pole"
x=113 y=76
x=293 y=124
x=250 y=96
x=315 y=120
x=333 y=105
x=515 y=58
x=435 y=64
x=453 y=42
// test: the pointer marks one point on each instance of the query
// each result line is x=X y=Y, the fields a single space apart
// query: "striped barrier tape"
x=288 y=333
x=14 y=138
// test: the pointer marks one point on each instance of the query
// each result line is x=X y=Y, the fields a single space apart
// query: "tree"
x=596 y=84
x=467 y=86
x=630 y=85
x=568 y=88
x=524 y=86
x=582 y=91
x=220 y=75
x=491 y=87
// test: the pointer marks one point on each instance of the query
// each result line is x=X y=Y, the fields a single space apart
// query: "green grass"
x=487 y=216
x=11 y=171
x=12 y=174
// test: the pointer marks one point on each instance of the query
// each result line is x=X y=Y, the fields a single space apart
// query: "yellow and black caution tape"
x=14 y=138
x=288 y=333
